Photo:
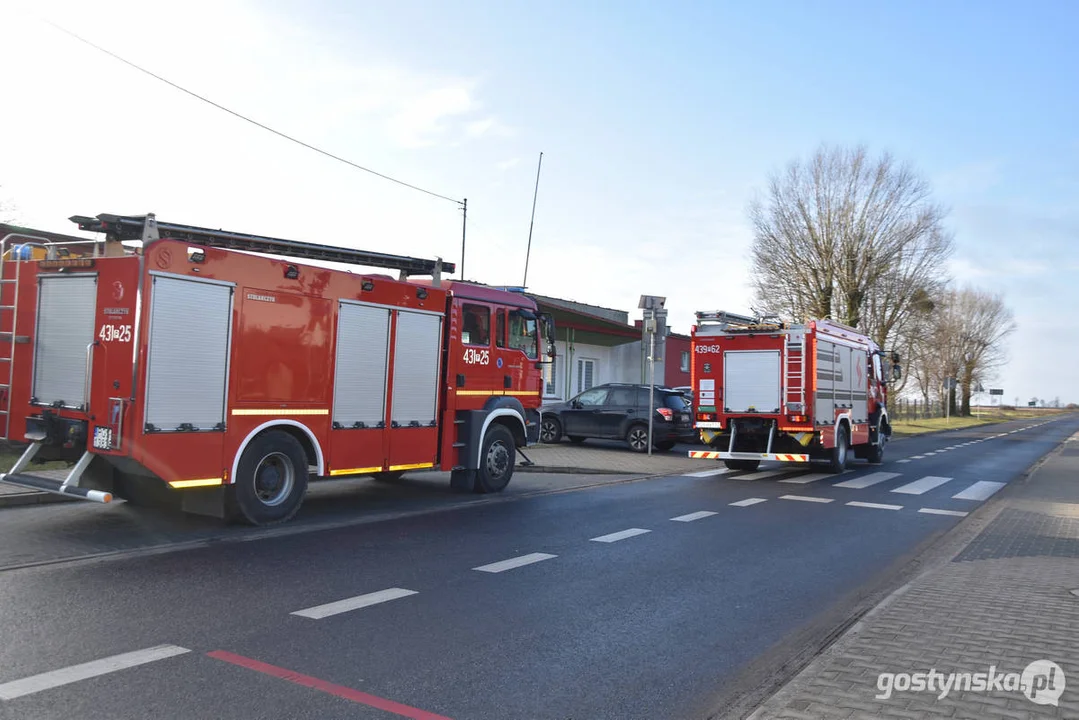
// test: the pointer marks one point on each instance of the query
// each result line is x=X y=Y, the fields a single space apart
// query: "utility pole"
x=531 y=222
x=464 y=225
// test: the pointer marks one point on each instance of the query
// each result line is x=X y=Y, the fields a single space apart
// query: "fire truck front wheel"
x=271 y=479
x=496 y=460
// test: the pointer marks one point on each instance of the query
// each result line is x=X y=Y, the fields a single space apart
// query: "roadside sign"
x=996 y=391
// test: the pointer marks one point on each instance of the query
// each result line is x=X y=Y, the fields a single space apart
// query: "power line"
x=247 y=119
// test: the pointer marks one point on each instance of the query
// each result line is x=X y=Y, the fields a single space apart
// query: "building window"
x=551 y=381
x=586 y=374
x=476 y=325
x=685 y=361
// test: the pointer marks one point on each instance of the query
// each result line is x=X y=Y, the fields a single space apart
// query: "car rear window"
x=676 y=402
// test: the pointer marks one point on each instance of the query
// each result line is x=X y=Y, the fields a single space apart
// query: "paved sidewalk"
x=588 y=458
x=1008 y=599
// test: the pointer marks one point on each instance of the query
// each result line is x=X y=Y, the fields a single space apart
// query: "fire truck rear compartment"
x=63 y=339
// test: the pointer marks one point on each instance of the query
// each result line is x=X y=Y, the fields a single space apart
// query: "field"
x=984 y=416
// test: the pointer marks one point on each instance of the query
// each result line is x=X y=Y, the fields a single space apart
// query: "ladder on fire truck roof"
x=147 y=229
x=732 y=322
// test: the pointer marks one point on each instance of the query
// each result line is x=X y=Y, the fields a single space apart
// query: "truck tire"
x=271 y=479
x=875 y=453
x=749 y=465
x=838 y=462
x=496 y=460
x=550 y=430
x=637 y=438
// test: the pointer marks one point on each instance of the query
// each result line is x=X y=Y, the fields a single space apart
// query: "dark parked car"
x=620 y=412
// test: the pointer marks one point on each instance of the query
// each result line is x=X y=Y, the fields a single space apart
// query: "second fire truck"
x=770 y=390
x=213 y=370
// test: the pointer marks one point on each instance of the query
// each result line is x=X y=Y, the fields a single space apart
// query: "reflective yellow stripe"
x=201 y=482
x=524 y=393
x=414 y=466
x=357 y=471
x=281 y=411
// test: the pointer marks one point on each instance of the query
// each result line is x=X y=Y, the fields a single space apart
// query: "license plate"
x=103 y=438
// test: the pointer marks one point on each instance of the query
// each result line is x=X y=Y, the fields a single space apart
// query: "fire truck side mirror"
x=897 y=370
x=548 y=332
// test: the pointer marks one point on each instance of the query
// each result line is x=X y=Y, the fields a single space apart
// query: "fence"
x=906 y=409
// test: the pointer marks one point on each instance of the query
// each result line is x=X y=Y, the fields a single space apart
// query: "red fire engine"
x=770 y=390
x=208 y=369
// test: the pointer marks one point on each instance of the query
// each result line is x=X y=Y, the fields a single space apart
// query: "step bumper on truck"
x=68 y=487
x=781 y=457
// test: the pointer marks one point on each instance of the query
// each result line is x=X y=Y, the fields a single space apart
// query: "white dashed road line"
x=805 y=498
x=615 y=537
x=762 y=474
x=693 y=516
x=709 y=473
x=904 y=460
x=85 y=671
x=747 y=502
x=981 y=490
x=921 y=486
x=516 y=562
x=866 y=480
x=354 y=603
x=806 y=479
x=934 y=511
x=878 y=506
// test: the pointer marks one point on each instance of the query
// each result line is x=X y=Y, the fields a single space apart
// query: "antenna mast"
x=532 y=222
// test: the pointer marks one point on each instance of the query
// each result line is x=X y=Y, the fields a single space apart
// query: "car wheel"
x=550 y=430
x=637 y=438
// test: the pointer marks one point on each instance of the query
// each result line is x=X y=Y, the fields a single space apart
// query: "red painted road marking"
x=327 y=687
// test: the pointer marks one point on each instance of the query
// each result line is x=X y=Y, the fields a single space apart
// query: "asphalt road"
x=641 y=600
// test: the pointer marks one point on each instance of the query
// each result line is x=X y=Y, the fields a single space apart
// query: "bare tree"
x=968 y=340
x=851 y=238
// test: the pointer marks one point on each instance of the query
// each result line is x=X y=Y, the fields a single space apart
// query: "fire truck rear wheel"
x=838 y=461
x=496 y=460
x=271 y=479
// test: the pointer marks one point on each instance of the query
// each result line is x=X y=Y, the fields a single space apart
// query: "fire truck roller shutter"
x=65 y=327
x=751 y=381
x=190 y=335
x=363 y=334
x=416 y=358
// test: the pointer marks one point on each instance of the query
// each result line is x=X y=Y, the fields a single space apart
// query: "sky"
x=658 y=123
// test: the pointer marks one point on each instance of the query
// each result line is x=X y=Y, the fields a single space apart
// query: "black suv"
x=620 y=411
